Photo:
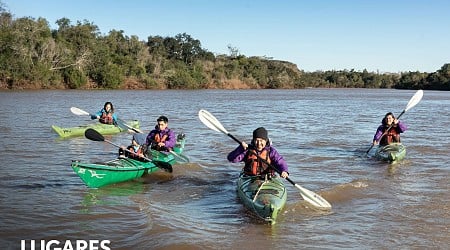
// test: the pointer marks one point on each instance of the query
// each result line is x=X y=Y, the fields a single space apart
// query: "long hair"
x=384 y=121
x=110 y=104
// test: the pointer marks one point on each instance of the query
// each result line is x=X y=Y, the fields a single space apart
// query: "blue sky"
x=383 y=35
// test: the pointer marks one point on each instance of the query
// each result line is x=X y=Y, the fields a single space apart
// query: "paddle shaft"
x=234 y=138
x=128 y=126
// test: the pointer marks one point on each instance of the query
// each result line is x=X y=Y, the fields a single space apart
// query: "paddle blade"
x=78 y=111
x=94 y=135
x=414 y=100
x=164 y=166
x=210 y=121
x=313 y=198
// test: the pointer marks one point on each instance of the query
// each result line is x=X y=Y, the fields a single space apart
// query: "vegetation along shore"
x=78 y=56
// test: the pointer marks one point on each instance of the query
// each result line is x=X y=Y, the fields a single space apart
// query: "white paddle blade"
x=414 y=100
x=78 y=111
x=313 y=198
x=210 y=121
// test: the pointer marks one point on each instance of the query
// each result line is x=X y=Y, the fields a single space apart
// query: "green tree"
x=156 y=46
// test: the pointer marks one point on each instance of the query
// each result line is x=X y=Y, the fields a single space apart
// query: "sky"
x=317 y=35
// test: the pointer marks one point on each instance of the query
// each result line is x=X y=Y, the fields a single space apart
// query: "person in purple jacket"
x=161 y=138
x=389 y=130
x=259 y=148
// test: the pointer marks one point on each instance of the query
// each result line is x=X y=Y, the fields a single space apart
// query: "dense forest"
x=78 y=56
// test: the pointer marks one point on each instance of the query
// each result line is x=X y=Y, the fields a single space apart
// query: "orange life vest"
x=159 y=139
x=254 y=165
x=135 y=154
x=106 y=118
x=391 y=136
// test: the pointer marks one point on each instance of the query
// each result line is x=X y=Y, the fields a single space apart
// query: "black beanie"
x=260 y=133
x=162 y=119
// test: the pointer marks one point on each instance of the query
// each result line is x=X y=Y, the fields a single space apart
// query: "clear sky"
x=378 y=35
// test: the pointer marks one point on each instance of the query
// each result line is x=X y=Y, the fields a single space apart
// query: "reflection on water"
x=323 y=134
x=105 y=196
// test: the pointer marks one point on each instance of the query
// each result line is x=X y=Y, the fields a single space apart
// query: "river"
x=322 y=133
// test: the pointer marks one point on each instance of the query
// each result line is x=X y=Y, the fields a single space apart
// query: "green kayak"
x=97 y=175
x=266 y=198
x=391 y=153
x=104 y=129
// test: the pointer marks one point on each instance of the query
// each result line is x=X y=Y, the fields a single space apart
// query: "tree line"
x=78 y=56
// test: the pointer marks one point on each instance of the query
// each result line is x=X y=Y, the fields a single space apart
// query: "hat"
x=162 y=119
x=260 y=133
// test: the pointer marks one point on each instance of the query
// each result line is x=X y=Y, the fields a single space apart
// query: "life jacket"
x=106 y=118
x=392 y=136
x=254 y=165
x=159 y=139
x=134 y=154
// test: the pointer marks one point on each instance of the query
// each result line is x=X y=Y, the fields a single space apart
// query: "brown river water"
x=322 y=133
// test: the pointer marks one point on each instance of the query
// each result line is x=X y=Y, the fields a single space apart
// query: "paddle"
x=78 y=111
x=93 y=135
x=415 y=99
x=211 y=122
x=120 y=122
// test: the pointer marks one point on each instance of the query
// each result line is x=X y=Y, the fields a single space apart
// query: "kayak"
x=265 y=198
x=96 y=175
x=391 y=153
x=104 y=129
